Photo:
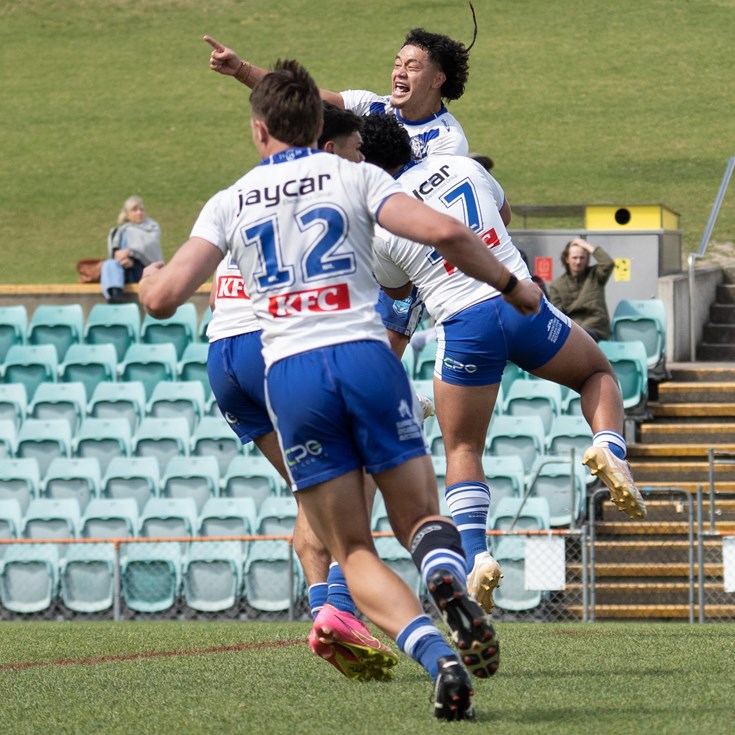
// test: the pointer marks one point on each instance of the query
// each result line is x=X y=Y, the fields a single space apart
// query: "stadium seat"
x=72 y=477
x=150 y=576
x=213 y=437
x=89 y=364
x=13 y=327
x=517 y=514
x=163 y=439
x=150 y=364
x=193 y=365
x=191 y=477
x=66 y=401
x=512 y=594
x=29 y=577
x=180 y=330
x=203 y=324
x=11 y=520
x=511 y=373
x=103 y=439
x=379 y=522
x=572 y=404
x=629 y=361
x=57 y=325
x=20 y=479
x=567 y=433
x=13 y=403
x=212 y=575
x=251 y=477
x=505 y=478
x=521 y=436
x=562 y=485
x=534 y=398
x=132 y=477
x=168 y=518
x=228 y=517
x=52 y=519
x=44 y=440
x=642 y=320
x=277 y=516
x=8 y=439
x=408 y=360
x=106 y=518
x=424 y=368
x=31 y=365
x=172 y=399
x=399 y=559
x=115 y=324
x=435 y=440
x=87 y=575
x=270 y=569
x=112 y=400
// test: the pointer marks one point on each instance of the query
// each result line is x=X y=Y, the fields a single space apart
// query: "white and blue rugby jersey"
x=460 y=187
x=233 y=313
x=300 y=227
x=440 y=133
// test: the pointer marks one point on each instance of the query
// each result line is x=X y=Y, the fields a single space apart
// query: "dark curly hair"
x=452 y=57
x=385 y=142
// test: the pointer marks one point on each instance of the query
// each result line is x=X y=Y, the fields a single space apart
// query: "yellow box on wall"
x=623 y=217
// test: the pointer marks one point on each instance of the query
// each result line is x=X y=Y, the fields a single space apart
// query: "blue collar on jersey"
x=403 y=120
x=405 y=168
x=290 y=154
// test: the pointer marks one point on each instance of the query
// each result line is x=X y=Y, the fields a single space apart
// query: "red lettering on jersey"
x=490 y=238
x=231 y=287
x=313 y=301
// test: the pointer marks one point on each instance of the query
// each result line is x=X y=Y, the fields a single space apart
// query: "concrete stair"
x=718 y=337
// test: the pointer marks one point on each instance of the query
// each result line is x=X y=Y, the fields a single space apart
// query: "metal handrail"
x=700 y=253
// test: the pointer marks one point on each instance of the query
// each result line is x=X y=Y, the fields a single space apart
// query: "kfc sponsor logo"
x=231 y=287
x=313 y=301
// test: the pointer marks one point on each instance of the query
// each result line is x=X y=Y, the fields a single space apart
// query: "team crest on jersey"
x=311 y=301
x=231 y=287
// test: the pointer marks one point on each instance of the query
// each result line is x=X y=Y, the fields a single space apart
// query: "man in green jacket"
x=580 y=292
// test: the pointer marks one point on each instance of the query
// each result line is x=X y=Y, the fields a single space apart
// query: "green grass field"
x=577 y=102
x=168 y=677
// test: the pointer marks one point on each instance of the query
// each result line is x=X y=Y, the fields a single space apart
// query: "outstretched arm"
x=225 y=61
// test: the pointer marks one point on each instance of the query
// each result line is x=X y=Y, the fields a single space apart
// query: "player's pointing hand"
x=222 y=59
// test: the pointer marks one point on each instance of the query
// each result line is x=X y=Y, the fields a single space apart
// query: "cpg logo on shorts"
x=302 y=452
x=458 y=367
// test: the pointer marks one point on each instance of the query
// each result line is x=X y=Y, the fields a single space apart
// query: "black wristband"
x=512 y=283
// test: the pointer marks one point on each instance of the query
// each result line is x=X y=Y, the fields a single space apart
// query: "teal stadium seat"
x=52 y=519
x=66 y=401
x=8 y=439
x=73 y=477
x=172 y=399
x=20 y=479
x=228 y=517
x=115 y=324
x=89 y=364
x=163 y=439
x=44 y=440
x=150 y=576
x=642 y=320
x=270 y=570
x=399 y=559
x=29 y=577
x=534 y=398
x=132 y=477
x=277 y=516
x=191 y=477
x=11 y=521
x=87 y=576
x=104 y=440
x=213 y=437
x=505 y=478
x=562 y=485
x=204 y=323
x=57 y=325
x=193 y=365
x=13 y=403
x=180 y=330
x=106 y=518
x=13 y=327
x=150 y=364
x=213 y=575
x=567 y=433
x=168 y=518
x=424 y=368
x=517 y=514
x=512 y=595
x=252 y=477
x=520 y=436
x=31 y=365
x=629 y=361
x=112 y=400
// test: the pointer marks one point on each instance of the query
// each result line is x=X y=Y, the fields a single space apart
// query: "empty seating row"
x=207 y=576
x=119 y=325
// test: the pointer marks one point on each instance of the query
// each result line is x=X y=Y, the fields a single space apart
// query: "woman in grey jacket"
x=131 y=246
